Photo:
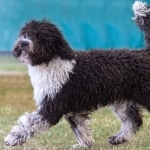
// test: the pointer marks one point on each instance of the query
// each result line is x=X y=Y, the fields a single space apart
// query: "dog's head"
x=39 y=42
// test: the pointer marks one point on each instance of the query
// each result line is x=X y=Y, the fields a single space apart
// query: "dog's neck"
x=47 y=80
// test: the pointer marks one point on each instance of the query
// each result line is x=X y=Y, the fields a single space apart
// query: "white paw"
x=14 y=139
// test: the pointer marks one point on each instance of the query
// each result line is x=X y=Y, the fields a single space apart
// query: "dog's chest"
x=48 y=80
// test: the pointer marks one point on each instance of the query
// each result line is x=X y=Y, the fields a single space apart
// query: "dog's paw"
x=115 y=140
x=14 y=139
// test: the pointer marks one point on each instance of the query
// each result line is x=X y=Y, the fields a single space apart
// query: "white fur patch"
x=48 y=80
x=140 y=8
x=28 y=125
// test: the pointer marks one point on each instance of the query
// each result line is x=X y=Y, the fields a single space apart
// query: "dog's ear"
x=54 y=44
x=63 y=49
x=53 y=41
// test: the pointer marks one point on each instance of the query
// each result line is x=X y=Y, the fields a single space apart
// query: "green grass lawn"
x=16 y=98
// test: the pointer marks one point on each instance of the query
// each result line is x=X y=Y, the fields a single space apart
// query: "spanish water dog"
x=73 y=84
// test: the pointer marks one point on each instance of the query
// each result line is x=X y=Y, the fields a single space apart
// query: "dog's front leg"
x=28 y=125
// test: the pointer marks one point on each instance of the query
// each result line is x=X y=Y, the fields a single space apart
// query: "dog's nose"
x=24 y=43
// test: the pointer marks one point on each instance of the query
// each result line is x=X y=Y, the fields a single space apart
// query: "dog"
x=76 y=83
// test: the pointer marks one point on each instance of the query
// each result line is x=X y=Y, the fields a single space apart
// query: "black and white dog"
x=74 y=84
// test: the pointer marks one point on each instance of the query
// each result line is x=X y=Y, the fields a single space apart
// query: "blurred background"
x=84 y=23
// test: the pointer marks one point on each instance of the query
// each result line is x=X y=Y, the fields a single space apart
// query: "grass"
x=16 y=97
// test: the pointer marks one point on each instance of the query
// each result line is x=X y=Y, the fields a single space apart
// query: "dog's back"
x=111 y=76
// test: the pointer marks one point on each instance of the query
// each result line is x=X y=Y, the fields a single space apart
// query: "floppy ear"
x=55 y=46
x=64 y=51
x=52 y=40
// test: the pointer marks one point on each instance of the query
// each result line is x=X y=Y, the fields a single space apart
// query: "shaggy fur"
x=74 y=84
x=142 y=15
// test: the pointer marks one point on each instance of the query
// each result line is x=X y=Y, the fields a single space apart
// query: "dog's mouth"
x=24 y=58
x=22 y=54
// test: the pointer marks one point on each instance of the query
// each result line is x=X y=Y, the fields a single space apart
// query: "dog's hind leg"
x=80 y=124
x=131 y=120
x=142 y=19
x=28 y=125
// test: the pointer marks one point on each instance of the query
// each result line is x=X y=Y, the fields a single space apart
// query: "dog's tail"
x=142 y=19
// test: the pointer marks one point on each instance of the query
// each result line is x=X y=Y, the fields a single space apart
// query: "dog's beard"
x=24 y=58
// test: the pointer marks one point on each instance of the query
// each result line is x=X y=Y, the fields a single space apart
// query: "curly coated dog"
x=75 y=83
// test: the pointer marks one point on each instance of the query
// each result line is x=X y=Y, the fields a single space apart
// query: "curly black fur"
x=113 y=76
x=99 y=78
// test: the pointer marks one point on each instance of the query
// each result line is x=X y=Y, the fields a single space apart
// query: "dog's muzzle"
x=24 y=44
x=21 y=47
